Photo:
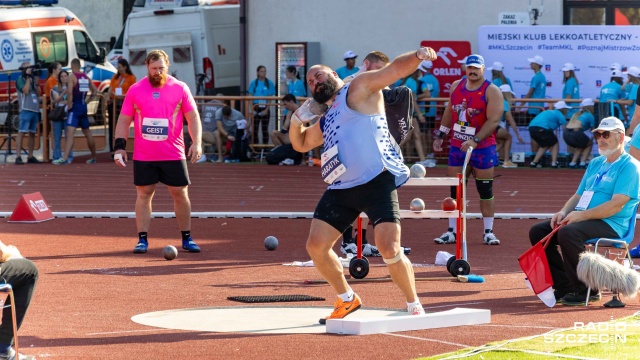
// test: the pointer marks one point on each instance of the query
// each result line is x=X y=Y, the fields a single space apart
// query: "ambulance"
x=201 y=38
x=41 y=33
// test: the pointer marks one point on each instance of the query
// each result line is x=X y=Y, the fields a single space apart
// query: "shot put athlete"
x=369 y=169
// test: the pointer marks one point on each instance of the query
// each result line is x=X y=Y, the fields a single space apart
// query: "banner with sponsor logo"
x=591 y=49
x=446 y=67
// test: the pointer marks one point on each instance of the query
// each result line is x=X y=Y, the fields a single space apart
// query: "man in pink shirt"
x=157 y=105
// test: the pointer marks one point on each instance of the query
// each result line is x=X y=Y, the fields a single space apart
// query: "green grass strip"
x=615 y=339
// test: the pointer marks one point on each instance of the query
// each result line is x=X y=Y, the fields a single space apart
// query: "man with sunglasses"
x=601 y=208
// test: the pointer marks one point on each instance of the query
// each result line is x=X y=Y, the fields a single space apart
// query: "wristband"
x=439 y=134
x=120 y=144
x=444 y=129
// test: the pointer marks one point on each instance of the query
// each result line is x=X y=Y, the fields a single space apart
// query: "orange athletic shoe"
x=343 y=308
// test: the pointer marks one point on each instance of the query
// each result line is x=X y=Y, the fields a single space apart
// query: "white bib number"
x=155 y=129
x=83 y=85
x=463 y=133
x=585 y=199
x=332 y=167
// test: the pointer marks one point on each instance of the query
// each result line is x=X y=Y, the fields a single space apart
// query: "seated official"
x=209 y=124
x=280 y=137
x=601 y=208
x=227 y=123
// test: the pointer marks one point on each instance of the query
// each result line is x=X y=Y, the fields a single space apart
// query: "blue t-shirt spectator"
x=430 y=82
x=571 y=88
x=498 y=82
x=539 y=86
x=588 y=120
x=343 y=72
x=549 y=119
x=632 y=95
x=610 y=92
x=258 y=87
x=296 y=88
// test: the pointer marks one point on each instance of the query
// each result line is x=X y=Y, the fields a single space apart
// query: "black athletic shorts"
x=544 y=137
x=575 y=138
x=378 y=199
x=170 y=173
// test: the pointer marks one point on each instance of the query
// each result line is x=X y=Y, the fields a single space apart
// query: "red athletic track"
x=91 y=284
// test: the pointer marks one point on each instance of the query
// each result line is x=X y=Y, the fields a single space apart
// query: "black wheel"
x=359 y=268
x=449 y=262
x=460 y=267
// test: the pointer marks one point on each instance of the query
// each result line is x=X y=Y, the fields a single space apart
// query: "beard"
x=157 y=80
x=325 y=91
x=606 y=152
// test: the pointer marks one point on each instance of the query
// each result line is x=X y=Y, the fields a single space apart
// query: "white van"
x=43 y=34
x=202 y=39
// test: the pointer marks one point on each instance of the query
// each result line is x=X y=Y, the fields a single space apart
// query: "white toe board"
x=386 y=324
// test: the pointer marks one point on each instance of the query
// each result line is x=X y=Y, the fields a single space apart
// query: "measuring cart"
x=456 y=265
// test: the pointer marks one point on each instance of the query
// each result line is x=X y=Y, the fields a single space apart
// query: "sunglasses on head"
x=605 y=135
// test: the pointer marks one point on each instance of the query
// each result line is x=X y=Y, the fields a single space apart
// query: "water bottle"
x=310 y=158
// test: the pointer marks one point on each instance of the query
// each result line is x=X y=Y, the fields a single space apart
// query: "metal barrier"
x=101 y=130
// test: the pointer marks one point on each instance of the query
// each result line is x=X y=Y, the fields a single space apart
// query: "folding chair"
x=6 y=288
x=622 y=254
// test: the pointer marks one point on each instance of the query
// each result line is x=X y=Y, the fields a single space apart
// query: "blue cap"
x=475 y=61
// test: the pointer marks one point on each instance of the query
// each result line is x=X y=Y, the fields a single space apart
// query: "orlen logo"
x=38 y=206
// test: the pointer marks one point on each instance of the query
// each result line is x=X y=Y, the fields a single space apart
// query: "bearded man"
x=362 y=166
x=158 y=104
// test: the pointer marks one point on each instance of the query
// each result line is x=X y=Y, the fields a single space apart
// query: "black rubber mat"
x=274 y=298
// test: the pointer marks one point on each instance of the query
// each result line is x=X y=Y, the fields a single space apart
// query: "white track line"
x=257 y=214
x=518 y=326
x=127 y=332
x=430 y=340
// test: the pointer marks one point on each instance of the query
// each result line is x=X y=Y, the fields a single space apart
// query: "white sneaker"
x=415 y=309
x=428 y=163
x=349 y=248
x=491 y=239
x=370 y=250
x=202 y=159
x=287 y=162
x=12 y=355
x=447 y=238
